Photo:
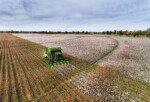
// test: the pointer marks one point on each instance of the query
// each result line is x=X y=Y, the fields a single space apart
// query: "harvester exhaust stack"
x=54 y=57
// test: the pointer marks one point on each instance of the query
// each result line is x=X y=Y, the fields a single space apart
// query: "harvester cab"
x=54 y=57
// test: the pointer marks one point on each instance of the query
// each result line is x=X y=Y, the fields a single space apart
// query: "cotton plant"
x=131 y=58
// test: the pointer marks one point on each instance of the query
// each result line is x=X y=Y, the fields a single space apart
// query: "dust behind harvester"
x=54 y=56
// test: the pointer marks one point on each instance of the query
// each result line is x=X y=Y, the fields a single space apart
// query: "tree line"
x=115 y=32
x=49 y=32
x=128 y=33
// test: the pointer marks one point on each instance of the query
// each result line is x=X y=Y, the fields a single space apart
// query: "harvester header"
x=54 y=56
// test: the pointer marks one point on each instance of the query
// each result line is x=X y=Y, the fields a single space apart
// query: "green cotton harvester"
x=54 y=57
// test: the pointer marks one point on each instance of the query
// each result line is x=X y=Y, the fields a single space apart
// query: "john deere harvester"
x=54 y=57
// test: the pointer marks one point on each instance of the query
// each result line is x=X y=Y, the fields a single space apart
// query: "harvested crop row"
x=4 y=79
x=56 y=80
x=35 y=61
x=25 y=75
x=30 y=70
x=21 y=75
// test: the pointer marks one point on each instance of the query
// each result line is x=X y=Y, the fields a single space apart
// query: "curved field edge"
x=134 y=87
x=91 y=47
x=107 y=53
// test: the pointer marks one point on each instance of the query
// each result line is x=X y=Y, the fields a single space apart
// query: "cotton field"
x=113 y=65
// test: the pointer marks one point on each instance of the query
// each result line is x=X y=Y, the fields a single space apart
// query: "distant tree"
x=86 y=32
x=148 y=29
x=73 y=32
x=120 y=32
x=77 y=32
x=103 y=32
x=139 y=33
x=11 y=31
x=143 y=33
x=114 y=32
x=136 y=33
x=148 y=34
x=108 y=32
x=66 y=32
x=82 y=32
x=125 y=32
x=129 y=33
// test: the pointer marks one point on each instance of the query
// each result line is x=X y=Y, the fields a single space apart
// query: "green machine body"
x=54 y=56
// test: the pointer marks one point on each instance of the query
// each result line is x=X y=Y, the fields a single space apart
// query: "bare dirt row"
x=113 y=80
x=24 y=75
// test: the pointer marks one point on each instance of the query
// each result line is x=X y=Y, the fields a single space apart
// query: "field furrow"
x=1 y=66
x=36 y=79
x=34 y=90
x=23 y=79
x=25 y=76
x=10 y=72
x=35 y=61
x=3 y=78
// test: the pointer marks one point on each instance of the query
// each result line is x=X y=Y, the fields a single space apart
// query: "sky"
x=74 y=15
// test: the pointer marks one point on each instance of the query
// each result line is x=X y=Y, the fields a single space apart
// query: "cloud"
x=90 y=15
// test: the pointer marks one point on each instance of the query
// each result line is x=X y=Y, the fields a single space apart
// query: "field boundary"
x=125 y=83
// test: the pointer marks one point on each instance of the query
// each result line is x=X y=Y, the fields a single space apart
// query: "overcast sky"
x=69 y=15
